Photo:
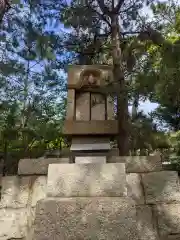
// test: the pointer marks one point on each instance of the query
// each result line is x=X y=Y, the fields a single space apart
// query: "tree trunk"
x=4 y=7
x=122 y=94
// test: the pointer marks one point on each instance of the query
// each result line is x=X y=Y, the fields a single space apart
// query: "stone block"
x=39 y=188
x=85 y=219
x=93 y=127
x=138 y=164
x=171 y=237
x=98 y=111
x=110 y=108
x=90 y=159
x=168 y=217
x=38 y=166
x=86 y=180
x=89 y=143
x=75 y=73
x=141 y=164
x=83 y=106
x=30 y=224
x=15 y=192
x=116 y=159
x=161 y=187
x=70 y=112
x=134 y=188
x=13 y=223
x=146 y=224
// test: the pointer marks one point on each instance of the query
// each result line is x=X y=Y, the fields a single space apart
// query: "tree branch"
x=102 y=16
x=103 y=7
x=117 y=8
x=4 y=8
x=127 y=9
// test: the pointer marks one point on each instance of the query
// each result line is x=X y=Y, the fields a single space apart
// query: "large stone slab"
x=161 y=187
x=92 y=159
x=134 y=188
x=85 y=219
x=13 y=223
x=86 y=180
x=146 y=225
x=139 y=164
x=15 y=192
x=38 y=166
x=168 y=216
x=38 y=189
x=30 y=223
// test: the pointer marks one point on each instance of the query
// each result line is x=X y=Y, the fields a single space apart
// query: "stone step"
x=134 y=164
x=86 y=180
x=93 y=218
x=90 y=159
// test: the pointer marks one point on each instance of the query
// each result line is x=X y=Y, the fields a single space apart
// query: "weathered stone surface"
x=92 y=159
x=15 y=191
x=140 y=164
x=94 y=127
x=39 y=188
x=116 y=159
x=5 y=238
x=85 y=219
x=89 y=143
x=83 y=106
x=168 y=216
x=98 y=110
x=75 y=71
x=145 y=223
x=110 y=108
x=70 y=112
x=86 y=180
x=134 y=188
x=161 y=186
x=13 y=223
x=171 y=237
x=38 y=166
x=30 y=224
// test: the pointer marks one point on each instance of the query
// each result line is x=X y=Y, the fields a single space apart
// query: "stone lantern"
x=90 y=109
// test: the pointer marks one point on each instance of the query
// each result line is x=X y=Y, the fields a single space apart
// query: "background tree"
x=116 y=28
x=32 y=100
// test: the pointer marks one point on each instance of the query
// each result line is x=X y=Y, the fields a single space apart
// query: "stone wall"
x=135 y=200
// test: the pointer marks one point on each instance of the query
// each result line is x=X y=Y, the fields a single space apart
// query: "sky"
x=147 y=106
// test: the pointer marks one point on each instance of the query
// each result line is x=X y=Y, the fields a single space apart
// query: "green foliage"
x=35 y=51
x=32 y=86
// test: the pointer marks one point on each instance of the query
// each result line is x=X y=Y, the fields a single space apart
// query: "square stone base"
x=90 y=144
